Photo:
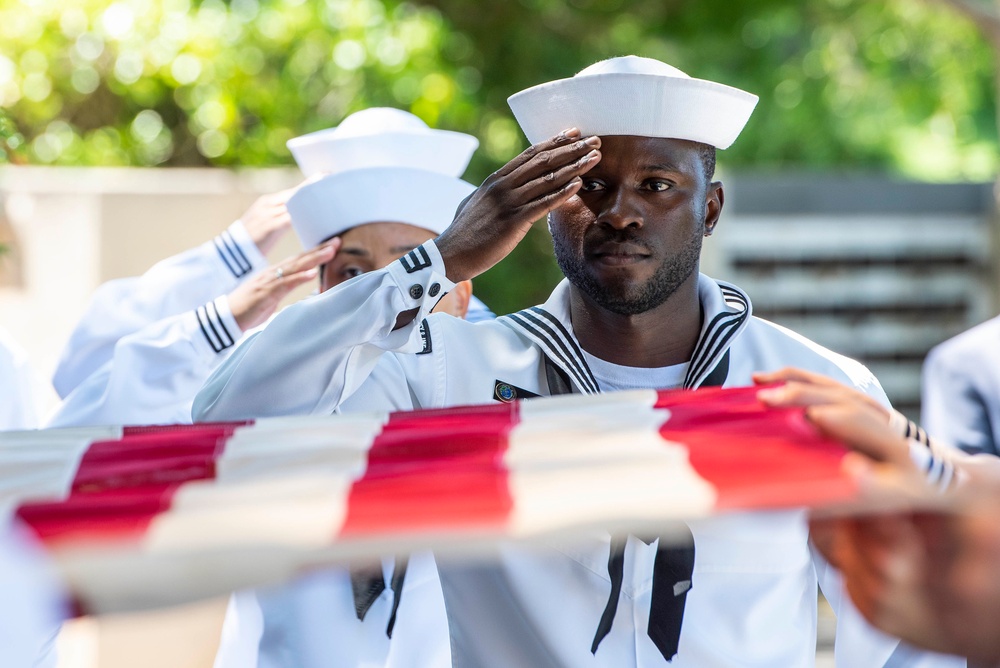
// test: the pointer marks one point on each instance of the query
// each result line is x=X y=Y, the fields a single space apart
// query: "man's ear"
x=456 y=302
x=714 y=200
x=462 y=294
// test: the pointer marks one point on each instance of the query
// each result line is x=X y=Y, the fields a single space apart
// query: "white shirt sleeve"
x=173 y=286
x=19 y=387
x=316 y=353
x=154 y=373
x=32 y=604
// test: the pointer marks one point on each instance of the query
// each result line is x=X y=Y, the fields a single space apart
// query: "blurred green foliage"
x=904 y=86
x=7 y=131
x=171 y=82
x=10 y=139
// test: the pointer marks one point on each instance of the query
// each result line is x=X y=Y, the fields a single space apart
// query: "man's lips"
x=619 y=254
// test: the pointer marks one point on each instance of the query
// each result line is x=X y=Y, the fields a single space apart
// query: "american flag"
x=137 y=517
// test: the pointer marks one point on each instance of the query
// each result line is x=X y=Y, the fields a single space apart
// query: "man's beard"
x=624 y=298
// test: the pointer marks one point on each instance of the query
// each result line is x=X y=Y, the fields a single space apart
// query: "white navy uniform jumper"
x=140 y=354
x=753 y=600
x=31 y=597
x=19 y=387
x=187 y=283
x=148 y=345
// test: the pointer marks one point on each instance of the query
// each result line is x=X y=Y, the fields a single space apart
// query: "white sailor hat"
x=335 y=203
x=379 y=137
x=634 y=96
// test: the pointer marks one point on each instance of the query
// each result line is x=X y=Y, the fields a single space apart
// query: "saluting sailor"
x=383 y=183
x=144 y=365
x=391 y=184
x=630 y=197
x=189 y=281
x=148 y=344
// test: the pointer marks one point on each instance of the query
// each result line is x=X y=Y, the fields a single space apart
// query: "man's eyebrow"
x=662 y=167
x=403 y=249
x=358 y=251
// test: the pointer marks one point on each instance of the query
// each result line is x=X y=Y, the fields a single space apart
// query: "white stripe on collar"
x=726 y=310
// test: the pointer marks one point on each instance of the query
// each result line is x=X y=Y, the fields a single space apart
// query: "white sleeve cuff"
x=421 y=281
x=238 y=252
x=217 y=326
x=420 y=277
x=925 y=453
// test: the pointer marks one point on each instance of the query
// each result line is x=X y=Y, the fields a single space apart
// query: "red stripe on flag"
x=120 y=486
x=109 y=515
x=755 y=456
x=438 y=469
x=150 y=458
x=224 y=428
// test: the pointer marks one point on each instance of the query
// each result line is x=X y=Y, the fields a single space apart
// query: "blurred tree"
x=894 y=85
x=175 y=82
x=10 y=139
x=985 y=15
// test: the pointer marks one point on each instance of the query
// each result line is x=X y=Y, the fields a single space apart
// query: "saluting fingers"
x=553 y=161
x=290 y=271
x=563 y=138
x=253 y=302
x=546 y=183
x=548 y=201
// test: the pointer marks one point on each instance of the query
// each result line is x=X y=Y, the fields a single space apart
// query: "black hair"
x=707 y=154
x=322 y=267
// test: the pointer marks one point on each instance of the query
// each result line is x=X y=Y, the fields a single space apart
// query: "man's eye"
x=658 y=186
x=351 y=272
x=590 y=185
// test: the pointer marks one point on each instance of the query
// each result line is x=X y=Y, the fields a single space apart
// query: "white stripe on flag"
x=40 y=465
x=335 y=445
x=300 y=511
x=281 y=481
x=582 y=462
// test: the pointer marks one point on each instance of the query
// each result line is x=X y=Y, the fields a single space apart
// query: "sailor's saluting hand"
x=256 y=299
x=494 y=219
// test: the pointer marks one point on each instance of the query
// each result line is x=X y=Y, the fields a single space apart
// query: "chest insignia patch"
x=506 y=392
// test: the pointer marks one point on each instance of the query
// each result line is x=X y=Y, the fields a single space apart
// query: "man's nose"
x=621 y=210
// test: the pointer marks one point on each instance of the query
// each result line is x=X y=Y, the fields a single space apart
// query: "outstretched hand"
x=494 y=219
x=930 y=575
x=256 y=299
x=841 y=412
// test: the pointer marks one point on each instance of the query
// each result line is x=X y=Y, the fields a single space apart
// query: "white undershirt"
x=611 y=377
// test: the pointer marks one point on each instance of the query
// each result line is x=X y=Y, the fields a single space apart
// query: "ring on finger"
x=279 y=273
